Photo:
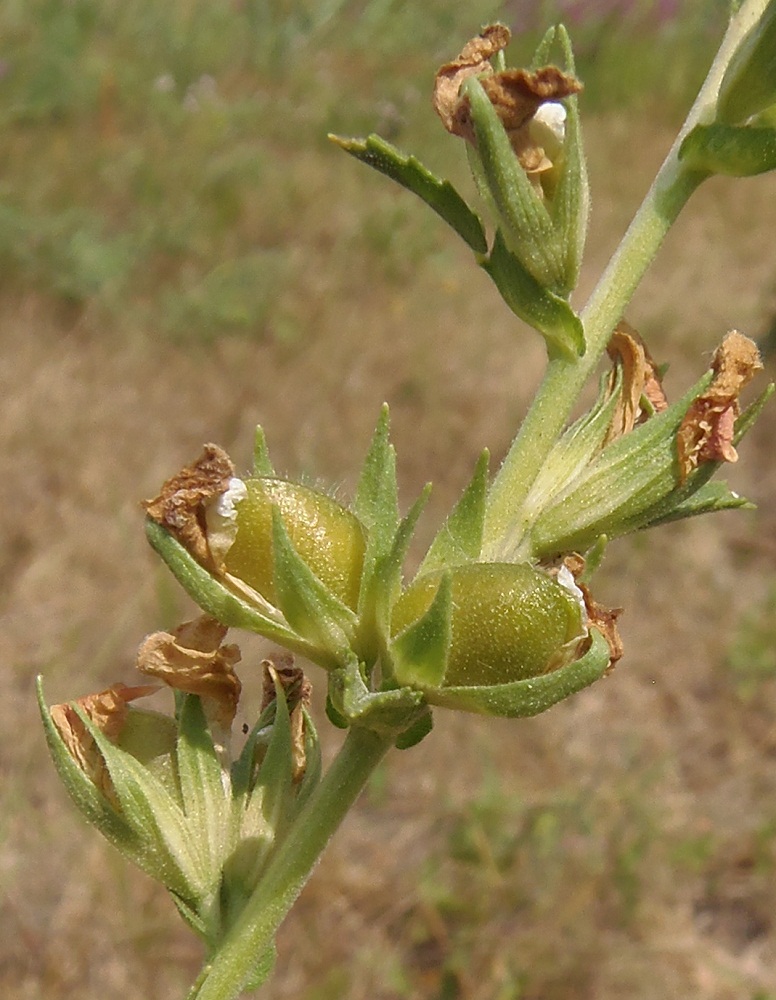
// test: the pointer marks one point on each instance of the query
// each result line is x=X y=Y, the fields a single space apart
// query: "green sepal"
x=393 y=710
x=269 y=800
x=201 y=785
x=737 y=151
x=541 y=308
x=420 y=653
x=459 y=540
x=166 y=849
x=386 y=584
x=260 y=804
x=87 y=798
x=217 y=600
x=307 y=604
x=418 y=731
x=150 y=737
x=571 y=201
x=190 y=915
x=262 y=969
x=613 y=495
x=542 y=54
x=376 y=503
x=525 y=221
x=567 y=460
x=335 y=718
x=262 y=466
x=594 y=556
x=749 y=83
x=706 y=499
x=440 y=195
x=519 y=699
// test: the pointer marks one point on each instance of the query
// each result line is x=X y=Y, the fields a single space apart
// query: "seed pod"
x=328 y=538
x=509 y=621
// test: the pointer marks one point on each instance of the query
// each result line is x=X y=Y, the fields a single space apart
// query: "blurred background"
x=184 y=255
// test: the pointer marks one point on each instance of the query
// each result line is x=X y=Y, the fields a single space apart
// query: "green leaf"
x=550 y=314
x=217 y=600
x=534 y=695
x=262 y=466
x=527 y=226
x=738 y=151
x=420 y=653
x=439 y=195
x=308 y=605
x=459 y=540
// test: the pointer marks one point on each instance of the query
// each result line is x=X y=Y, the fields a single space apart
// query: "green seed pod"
x=327 y=537
x=508 y=623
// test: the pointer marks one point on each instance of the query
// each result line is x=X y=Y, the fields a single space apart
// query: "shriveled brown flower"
x=473 y=60
x=706 y=433
x=193 y=659
x=640 y=380
x=298 y=690
x=516 y=95
x=180 y=506
x=108 y=711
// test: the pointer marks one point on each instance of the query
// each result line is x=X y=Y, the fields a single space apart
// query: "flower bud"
x=509 y=622
x=326 y=536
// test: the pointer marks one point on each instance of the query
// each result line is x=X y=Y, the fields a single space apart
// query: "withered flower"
x=194 y=660
x=297 y=689
x=181 y=504
x=108 y=711
x=706 y=433
x=640 y=382
x=525 y=101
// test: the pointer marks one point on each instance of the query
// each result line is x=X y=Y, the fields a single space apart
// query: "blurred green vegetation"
x=139 y=140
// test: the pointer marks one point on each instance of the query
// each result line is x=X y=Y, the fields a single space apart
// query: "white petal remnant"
x=181 y=503
x=221 y=518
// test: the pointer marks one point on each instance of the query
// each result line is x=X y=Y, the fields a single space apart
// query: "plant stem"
x=253 y=933
x=508 y=516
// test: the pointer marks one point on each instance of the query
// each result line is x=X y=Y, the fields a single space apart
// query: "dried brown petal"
x=640 y=380
x=108 y=711
x=706 y=433
x=193 y=660
x=599 y=617
x=517 y=94
x=297 y=690
x=180 y=506
x=472 y=61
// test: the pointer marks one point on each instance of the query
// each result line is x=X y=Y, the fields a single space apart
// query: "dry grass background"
x=623 y=844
